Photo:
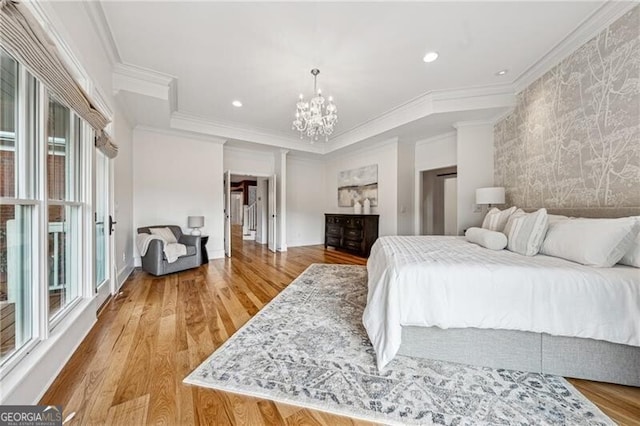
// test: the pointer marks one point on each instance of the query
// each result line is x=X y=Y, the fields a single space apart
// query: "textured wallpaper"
x=573 y=140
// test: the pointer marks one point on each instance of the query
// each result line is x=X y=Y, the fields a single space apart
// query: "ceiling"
x=369 y=54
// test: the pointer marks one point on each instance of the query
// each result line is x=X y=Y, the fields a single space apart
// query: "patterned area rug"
x=308 y=348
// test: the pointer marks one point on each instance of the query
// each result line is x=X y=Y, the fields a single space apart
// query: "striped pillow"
x=496 y=219
x=526 y=231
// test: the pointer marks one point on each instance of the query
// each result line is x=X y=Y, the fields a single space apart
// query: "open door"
x=227 y=213
x=271 y=240
x=104 y=259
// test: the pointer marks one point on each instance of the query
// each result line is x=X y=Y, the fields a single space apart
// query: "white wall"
x=406 y=171
x=175 y=177
x=385 y=155
x=305 y=201
x=123 y=198
x=432 y=153
x=280 y=160
x=248 y=162
x=475 y=169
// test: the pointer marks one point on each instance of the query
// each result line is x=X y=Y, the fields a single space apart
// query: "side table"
x=203 y=249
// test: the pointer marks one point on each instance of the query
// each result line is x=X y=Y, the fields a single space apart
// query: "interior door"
x=271 y=240
x=227 y=213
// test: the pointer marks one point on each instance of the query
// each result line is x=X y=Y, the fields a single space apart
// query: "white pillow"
x=593 y=242
x=492 y=240
x=165 y=233
x=496 y=219
x=526 y=231
x=632 y=257
x=552 y=218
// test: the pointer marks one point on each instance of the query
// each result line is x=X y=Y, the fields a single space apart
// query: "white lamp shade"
x=491 y=195
x=195 y=221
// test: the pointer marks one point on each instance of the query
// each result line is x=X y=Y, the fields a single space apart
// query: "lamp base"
x=196 y=232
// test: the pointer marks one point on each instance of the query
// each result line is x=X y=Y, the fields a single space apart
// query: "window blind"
x=105 y=144
x=24 y=39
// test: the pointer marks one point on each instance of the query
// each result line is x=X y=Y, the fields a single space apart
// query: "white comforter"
x=450 y=283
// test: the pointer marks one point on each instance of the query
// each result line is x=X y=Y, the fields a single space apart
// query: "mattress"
x=448 y=282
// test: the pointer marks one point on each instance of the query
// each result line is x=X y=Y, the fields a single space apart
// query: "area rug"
x=308 y=348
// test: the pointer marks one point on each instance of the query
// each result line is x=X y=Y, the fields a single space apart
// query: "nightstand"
x=203 y=249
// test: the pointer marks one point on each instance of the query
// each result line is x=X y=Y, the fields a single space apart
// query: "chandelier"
x=315 y=118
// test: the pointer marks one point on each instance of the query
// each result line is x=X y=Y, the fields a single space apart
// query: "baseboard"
x=282 y=248
x=123 y=274
x=216 y=254
x=304 y=243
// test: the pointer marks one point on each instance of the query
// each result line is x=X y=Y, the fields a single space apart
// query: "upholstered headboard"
x=600 y=212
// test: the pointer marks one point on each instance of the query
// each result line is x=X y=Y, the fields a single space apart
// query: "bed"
x=445 y=298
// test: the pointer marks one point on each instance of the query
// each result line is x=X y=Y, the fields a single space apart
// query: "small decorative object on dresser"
x=354 y=233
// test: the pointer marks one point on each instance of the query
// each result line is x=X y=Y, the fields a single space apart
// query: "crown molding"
x=180 y=134
x=585 y=31
x=436 y=138
x=472 y=123
x=135 y=79
x=103 y=29
x=484 y=97
x=191 y=123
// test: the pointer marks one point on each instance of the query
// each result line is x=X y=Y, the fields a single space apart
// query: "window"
x=17 y=206
x=41 y=209
x=63 y=148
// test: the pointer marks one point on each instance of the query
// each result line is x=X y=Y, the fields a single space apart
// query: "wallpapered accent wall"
x=573 y=140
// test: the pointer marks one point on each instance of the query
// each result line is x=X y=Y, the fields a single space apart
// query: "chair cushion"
x=191 y=250
x=165 y=233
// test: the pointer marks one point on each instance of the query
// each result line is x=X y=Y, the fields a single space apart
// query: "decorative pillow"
x=632 y=257
x=525 y=232
x=496 y=219
x=593 y=242
x=165 y=233
x=492 y=240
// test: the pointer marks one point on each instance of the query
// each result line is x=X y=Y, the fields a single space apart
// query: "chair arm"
x=152 y=261
x=193 y=240
x=190 y=240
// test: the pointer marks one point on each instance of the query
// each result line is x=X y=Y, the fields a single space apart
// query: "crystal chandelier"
x=315 y=118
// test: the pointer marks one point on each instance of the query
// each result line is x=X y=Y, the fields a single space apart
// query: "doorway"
x=250 y=212
x=439 y=201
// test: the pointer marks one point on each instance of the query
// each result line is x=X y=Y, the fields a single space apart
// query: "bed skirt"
x=521 y=350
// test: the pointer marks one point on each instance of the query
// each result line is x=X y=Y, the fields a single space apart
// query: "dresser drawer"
x=333 y=241
x=336 y=220
x=355 y=222
x=353 y=245
x=334 y=230
x=353 y=234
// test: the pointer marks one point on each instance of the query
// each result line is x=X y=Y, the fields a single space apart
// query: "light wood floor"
x=129 y=369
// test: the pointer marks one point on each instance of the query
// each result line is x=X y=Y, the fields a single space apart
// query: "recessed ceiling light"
x=236 y=104
x=430 y=57
x=502 y=72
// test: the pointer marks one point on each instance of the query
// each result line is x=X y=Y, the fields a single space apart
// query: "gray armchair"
x=155 y=262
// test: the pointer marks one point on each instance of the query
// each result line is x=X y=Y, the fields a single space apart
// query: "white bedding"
x=450 y=283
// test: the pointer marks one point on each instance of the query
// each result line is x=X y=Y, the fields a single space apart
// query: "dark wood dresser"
x=354 y=233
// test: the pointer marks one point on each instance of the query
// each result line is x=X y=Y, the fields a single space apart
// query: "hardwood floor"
x=129 y=369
